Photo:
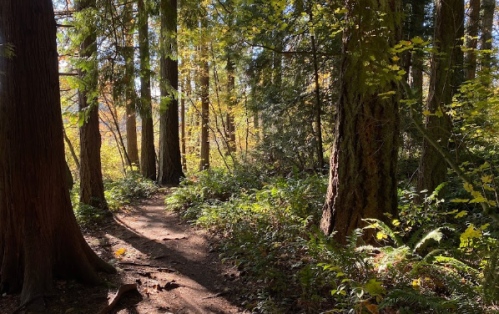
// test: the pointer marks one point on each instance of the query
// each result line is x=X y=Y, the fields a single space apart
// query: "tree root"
x=121 y=291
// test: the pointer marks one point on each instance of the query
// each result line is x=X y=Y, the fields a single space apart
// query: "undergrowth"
x=426 y=262
x=118 y=193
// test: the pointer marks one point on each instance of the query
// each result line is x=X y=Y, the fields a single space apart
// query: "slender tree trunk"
x=39 y=236
x=363 y=176
x=131 y=96
x=488 y=9
x=446 y=75
x=231 y=125
x=472 y=39
x=170 y=165
x=417 y=64
x=147 y=152
x=72 y=150
x=318 y=107
x=91 y=185
x=186 y=89
x=205 y=102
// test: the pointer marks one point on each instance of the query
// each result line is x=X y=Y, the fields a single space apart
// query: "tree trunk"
x=488 y=9
x=147 y=152
x=446 y=75
x=363 y=177
x=91 y=185
x=170 y=165
x=186 y=89
x=231 y=126
x=472 y=38
x=417 y=64
x=318 y=106
x=39 y=236
x=131 y=96
x=205 y=102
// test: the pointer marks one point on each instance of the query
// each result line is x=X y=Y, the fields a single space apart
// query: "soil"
x=174 y=265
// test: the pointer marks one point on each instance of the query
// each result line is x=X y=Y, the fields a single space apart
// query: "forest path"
x=171 y=261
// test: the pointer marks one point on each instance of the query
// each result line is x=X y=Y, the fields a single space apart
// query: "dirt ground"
x=173 y=264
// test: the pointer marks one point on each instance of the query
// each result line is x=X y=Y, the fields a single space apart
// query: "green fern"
x=378 y=224
x=417 y=301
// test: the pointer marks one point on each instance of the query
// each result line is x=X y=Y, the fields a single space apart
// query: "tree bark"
x=363 y=177
x=131 y=96
x=186 y=89
x=318 y=107
x=39 y=236
x=231 y=125
x=417 y=58
x=205 y=102
x=446 y=76
x=91 y=185
x=488 y=9
x=170 y=165
x=147 y=153
x=472 y=38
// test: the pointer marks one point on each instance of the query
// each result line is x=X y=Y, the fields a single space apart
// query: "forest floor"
x=174 y=265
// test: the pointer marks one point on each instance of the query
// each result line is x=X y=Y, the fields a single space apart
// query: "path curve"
x=172 y=262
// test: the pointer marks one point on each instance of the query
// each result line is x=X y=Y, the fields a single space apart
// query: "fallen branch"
x=121 y=291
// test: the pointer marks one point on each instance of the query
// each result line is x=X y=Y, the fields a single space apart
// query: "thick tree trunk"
x=39 y=236
x=91 y=185
x=170 y=165
x=472 y=38
x=205 y=103
x=363 y=177
x=131 y=96
x=147 y=152
x=446 y=75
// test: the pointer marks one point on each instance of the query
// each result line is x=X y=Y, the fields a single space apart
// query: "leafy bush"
x=124 y=190
x=118 y=193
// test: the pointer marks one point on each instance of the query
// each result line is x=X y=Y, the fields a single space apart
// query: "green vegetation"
x=119 y=193
x=430 y=260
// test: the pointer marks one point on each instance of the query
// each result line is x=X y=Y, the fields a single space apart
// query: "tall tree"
x=488 y=9
x=472 y=38
x=363 y=181
x=39 y=236
x=204 y=73
x=417 y=58
x=446 y=75
x=170 y=165
x=147 y=153
x=131 y=96
x=91 y=185
x=231 y=100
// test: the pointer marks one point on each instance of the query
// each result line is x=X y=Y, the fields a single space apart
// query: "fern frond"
x=432 y=235
x=418 y=301
x=457 y=264
x=378 y=224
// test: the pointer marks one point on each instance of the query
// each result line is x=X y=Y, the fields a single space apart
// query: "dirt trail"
x=170 y=260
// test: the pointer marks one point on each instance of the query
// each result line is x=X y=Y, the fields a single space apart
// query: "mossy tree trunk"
x=446 y=76
x=147 y=152
x=204 y=81
x=170 y=165
x=472 y=38
x=91 y=185
x=39 y=236
x=363 y=181
x=131 y=95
